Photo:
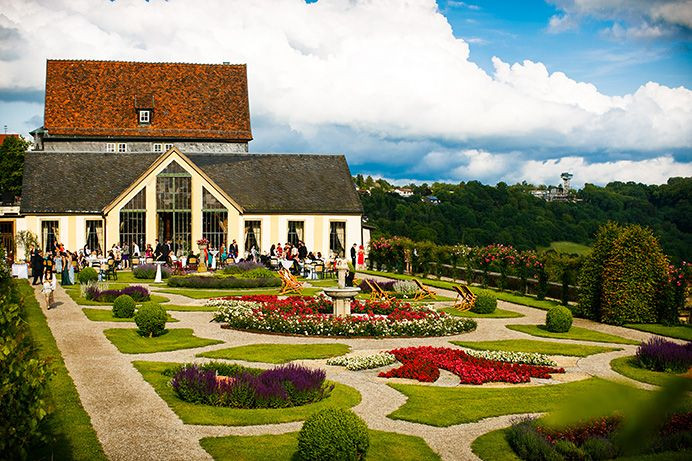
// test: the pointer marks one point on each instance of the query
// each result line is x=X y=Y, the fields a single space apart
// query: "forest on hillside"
x=472 y=213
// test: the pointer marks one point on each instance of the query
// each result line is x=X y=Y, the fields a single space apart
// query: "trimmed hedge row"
x=201 y=281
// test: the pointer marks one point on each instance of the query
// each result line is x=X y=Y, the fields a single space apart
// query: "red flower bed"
x=578 y=434
x=423 y=363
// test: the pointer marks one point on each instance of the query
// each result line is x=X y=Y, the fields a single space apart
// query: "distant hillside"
x=477 y=214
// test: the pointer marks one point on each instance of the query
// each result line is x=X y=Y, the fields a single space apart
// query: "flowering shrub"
x=423 y=363
x=363 y=362
x=579 y=433
x=286 y=386
x=529 y=358
x=659 y=354
x=148 y=271
x=405 y=287
x=312 y=316
x=204 y=281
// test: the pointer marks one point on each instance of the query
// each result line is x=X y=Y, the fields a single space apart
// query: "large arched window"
x=174 y=207
x=214 y=220
x=133 y=222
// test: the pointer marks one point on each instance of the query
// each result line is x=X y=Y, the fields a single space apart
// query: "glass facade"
x=214 y=220
x=133 y=222
x=174 y=207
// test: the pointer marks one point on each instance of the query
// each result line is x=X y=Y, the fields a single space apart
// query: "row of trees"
x=12 y=152
x=627 y=278
x=474 y=214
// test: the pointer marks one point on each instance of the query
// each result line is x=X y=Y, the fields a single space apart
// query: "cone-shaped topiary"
x=123 y=307
x=558 y=319
x=151 y=319
x=635 y=275
x=333 y=433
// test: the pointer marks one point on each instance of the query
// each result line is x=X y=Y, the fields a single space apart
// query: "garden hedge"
x=201 y=281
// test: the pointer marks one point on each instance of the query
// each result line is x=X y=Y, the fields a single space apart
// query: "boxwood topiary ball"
x=123 y=307
x=486 y=303
x=151 y=319
x=558 y=319
x=88 y=274
x=333 y=433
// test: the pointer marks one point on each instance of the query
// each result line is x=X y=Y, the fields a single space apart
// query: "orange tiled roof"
x=7 y=135
x=100 y=98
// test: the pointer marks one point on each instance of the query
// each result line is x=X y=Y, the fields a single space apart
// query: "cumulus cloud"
x=386 y=73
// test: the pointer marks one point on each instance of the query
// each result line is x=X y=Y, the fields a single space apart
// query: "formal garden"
x=222 y=366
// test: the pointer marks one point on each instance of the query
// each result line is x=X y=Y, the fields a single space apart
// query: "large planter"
x=202 y=247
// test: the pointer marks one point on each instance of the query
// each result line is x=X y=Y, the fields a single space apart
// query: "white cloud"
x=385 y=70
x=561 y=23
x=642 y=31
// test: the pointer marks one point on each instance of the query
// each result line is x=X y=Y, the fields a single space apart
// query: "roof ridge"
x=146 y=62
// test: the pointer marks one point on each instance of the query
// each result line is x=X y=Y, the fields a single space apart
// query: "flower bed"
x=529 y=358
x=659 y=354
x=363 y=362
x=219 y=281
x=280 y=387
x=311 y=316
x=423 y=363
x=93 y=292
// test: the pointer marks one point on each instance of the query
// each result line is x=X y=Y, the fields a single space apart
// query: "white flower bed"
x=363 y=362
x=529 y=358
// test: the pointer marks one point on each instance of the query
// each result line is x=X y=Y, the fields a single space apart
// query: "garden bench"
x=423 y=292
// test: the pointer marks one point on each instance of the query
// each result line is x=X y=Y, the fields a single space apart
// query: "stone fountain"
x=343 y=295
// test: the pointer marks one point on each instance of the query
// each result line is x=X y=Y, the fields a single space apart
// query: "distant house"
x=431 y=199
x=7 y=135
x=557 y=194
x=151 y=151
x=404 y=191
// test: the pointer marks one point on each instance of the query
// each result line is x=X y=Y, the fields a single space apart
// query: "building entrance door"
x=175 y=226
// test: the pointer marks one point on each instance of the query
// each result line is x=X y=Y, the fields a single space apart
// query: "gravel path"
x=132 y=422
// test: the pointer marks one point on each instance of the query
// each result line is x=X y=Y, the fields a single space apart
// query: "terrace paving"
x=134 y=423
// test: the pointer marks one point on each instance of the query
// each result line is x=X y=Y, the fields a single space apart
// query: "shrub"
x=659 y=354
x=486 y=303
x=123 y=307
x=258 y=273
x=634 y=277
x=138 y=293
x=599 y=448
x=590 y=279
x=241 y=267
x=201 y=281
x=88 y=274
x=151 y=319
x=23 y=375
x=569 y=450
x=148 y=271
x=405 y=287
x=333 y=433
x=558 y=319
x=529 y=444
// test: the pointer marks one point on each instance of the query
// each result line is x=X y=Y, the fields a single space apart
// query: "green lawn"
x=341 y=397
x=384 y=446
x=673 y=331
x=178 y=307
x=278 y=353
x=68 y=426
x=629 y=366
x=106 y=315
x=497 y=314
x=501 y=295
x=199 y=293
x=541 y=347
x=493 y=446
x=128 y=277
x=128 y=341
x=579 y=333
x=446 y=406
x=567 y=247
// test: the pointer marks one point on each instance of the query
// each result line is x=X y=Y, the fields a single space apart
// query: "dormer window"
x=144 y=116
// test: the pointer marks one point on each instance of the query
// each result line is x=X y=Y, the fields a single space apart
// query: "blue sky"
x=408 y=90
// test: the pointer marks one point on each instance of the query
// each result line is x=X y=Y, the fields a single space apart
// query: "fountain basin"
x=342 y=298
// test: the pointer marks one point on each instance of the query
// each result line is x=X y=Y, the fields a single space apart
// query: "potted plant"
x=202 y=243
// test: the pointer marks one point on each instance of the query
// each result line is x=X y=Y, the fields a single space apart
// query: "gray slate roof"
x=259 y=183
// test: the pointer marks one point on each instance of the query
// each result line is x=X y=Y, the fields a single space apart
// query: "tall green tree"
x=12 y=153
x=591 y=274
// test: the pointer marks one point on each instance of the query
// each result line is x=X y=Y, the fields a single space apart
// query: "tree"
x=591 y=274
x=12 y=153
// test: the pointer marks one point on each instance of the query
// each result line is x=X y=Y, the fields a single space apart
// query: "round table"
x=157 y=279
x=286 y=263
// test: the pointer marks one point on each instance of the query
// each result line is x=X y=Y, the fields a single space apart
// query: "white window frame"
x=122 y=147
x=110 y=147
x=157 y=147
x=166 y=147
x=144 y=116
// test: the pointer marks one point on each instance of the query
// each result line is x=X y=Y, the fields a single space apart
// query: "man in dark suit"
x=158 y=251
x=167 y=248
x=233 y=249
x=354 y=252
x=36 y=266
